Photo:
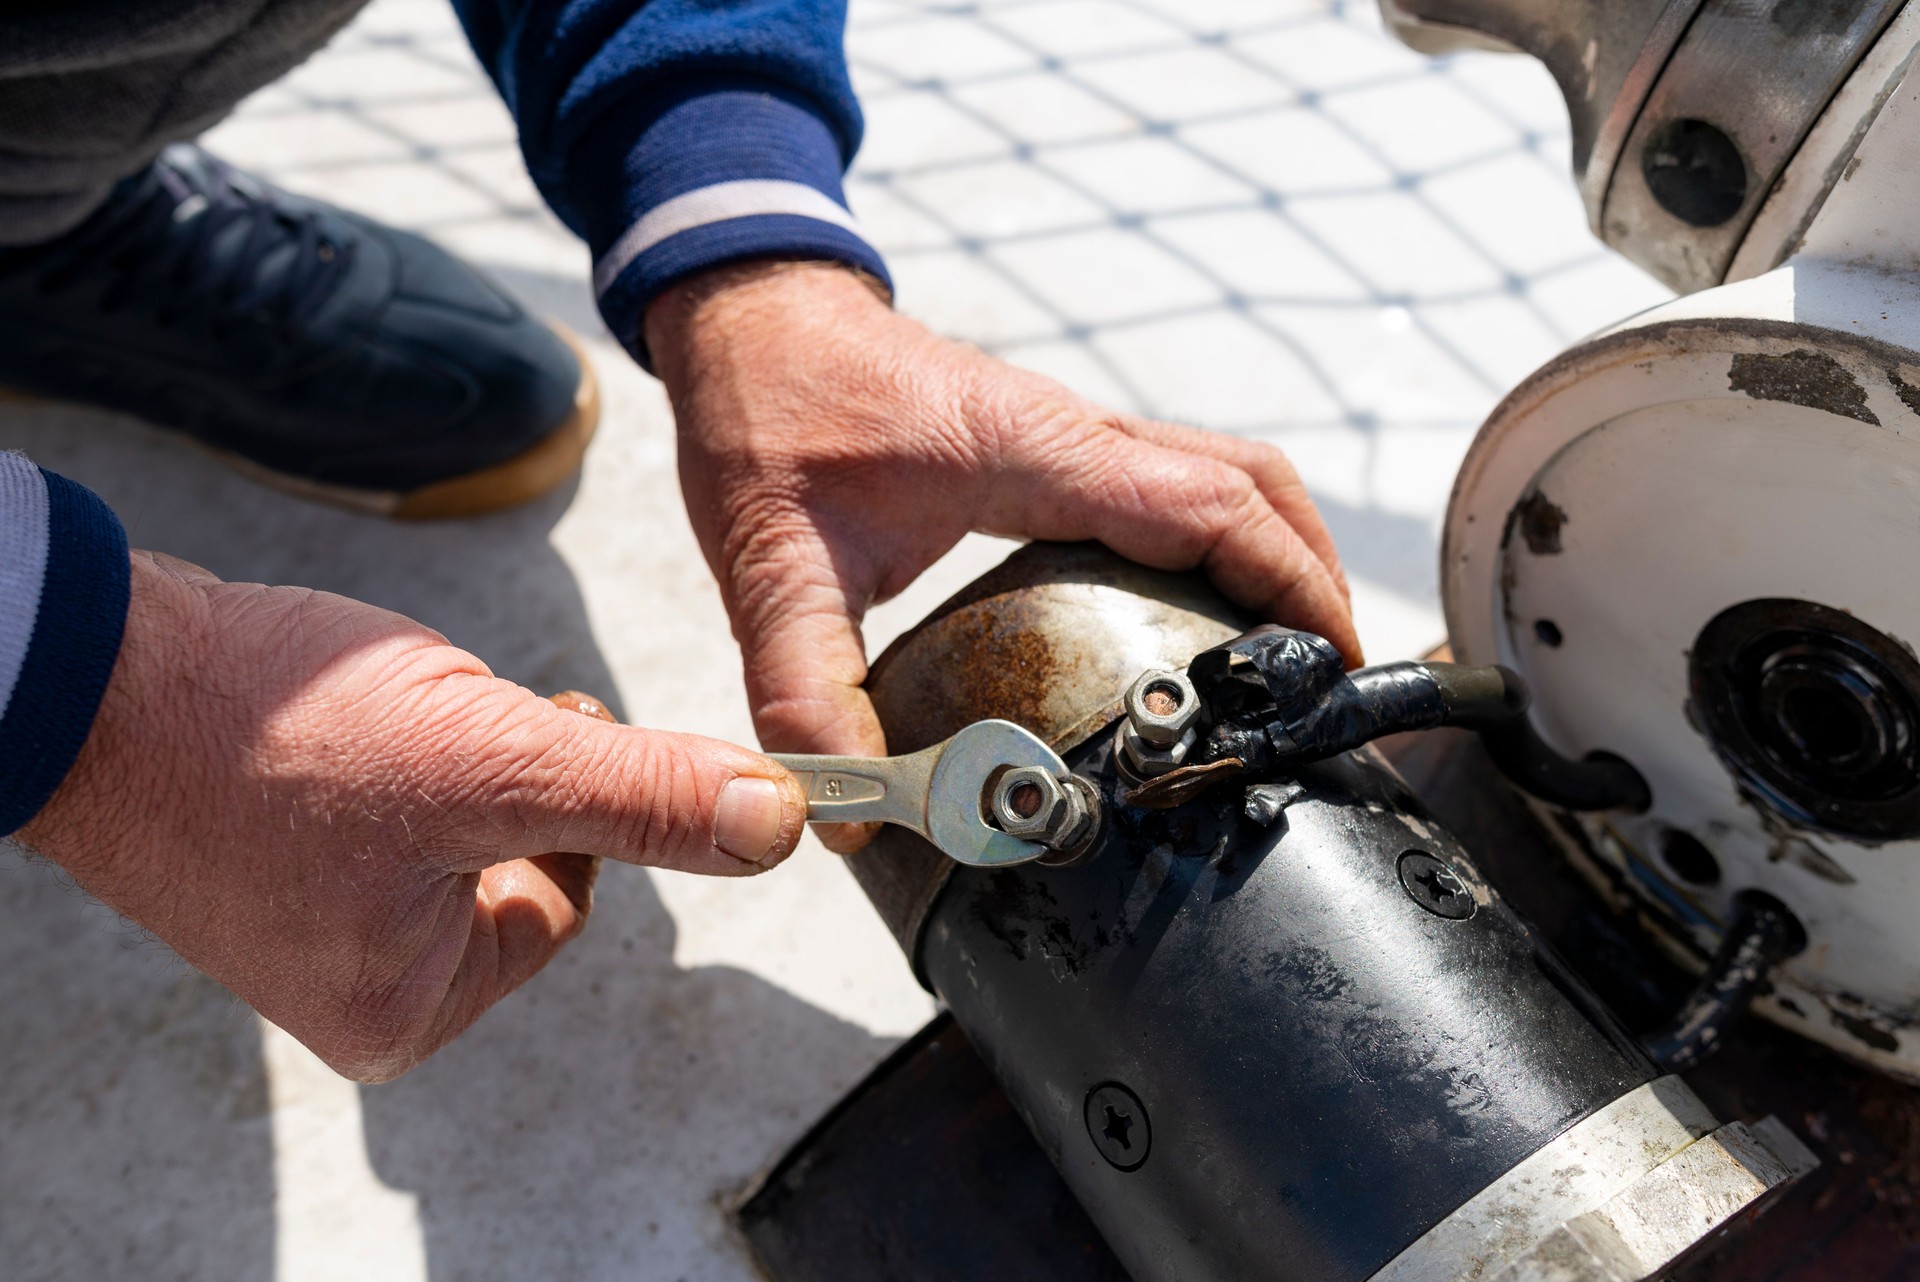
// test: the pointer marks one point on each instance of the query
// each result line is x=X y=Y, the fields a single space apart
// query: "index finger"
x=1272 y=471
x=1175 y=509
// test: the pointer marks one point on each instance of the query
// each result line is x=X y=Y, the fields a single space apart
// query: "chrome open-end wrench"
x=943 y=792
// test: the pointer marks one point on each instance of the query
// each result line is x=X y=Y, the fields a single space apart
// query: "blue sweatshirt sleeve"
x=64 y=582
x=676 y=135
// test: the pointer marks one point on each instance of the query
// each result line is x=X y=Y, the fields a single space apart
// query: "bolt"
x=1434 y=886
x=1117 y=1124
x=1162 y=725
x=1149 y=761
x=1028 y=802
x=1162 y=706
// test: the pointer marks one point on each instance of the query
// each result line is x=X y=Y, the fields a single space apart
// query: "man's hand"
x=831 y=450
x=350 y=823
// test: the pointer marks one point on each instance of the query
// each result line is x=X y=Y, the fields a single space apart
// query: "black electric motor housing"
x=1322 y=1036
x=1303 y=1039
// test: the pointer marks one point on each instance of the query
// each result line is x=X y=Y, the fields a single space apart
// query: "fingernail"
x=746 y=822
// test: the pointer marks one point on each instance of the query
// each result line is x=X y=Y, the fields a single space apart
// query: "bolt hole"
x=1162 y=699
x=1549 y=632
x=1695 y=171
x=1689 y=858
x=1024 y=800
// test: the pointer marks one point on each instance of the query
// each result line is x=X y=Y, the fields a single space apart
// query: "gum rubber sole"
x=525 y=477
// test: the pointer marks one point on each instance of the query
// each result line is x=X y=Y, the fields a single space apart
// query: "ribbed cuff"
x=721 y=174
x=63 y=567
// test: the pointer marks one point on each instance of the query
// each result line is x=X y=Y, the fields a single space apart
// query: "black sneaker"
x=315 y=349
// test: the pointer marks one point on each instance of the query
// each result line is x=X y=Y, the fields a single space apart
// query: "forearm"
x=677 y=138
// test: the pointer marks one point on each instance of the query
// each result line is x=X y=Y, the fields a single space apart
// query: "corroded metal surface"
x=1050 y=639
x=852 y=1200
x=1686 y=114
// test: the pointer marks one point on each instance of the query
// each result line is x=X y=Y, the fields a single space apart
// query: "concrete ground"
x=1254 y=215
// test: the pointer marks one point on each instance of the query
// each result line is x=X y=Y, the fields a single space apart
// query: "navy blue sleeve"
x=64 y=584
x=676 y=135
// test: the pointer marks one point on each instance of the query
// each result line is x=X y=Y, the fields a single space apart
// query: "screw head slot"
x=1118 y=1126
x=1434 y=886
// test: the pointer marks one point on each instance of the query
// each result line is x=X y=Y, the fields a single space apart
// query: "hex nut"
x=1150 y=760
x=1052 y=815
x=1162 y=706
x=1073 y=843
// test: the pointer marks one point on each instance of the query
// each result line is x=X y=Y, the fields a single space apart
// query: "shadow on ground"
x=612 y=1067
x=135 y=1140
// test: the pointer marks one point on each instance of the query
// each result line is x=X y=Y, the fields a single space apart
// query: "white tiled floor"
x=1256 y=215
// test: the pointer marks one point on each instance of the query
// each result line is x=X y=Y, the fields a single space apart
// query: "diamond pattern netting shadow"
x=1261 y=216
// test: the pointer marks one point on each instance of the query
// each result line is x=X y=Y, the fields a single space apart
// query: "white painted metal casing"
x=1757 y=440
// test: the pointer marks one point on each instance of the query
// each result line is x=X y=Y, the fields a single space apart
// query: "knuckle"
x=771 y=556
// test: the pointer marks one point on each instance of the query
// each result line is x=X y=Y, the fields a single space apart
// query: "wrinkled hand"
x=349 y=822
x=831 y=450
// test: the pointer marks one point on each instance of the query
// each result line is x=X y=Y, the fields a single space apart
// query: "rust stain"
x=988 y=659
x=1909 y=394
x=1802 y=377
x=1047 y=640
x=1540 y=521
x=1044 y=641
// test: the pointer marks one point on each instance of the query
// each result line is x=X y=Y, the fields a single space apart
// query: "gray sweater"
x=91 y=90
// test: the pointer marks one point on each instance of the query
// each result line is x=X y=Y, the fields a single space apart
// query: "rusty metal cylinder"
x=1305 y=1047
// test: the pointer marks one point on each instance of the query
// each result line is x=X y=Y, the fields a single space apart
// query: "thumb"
x=648 y=797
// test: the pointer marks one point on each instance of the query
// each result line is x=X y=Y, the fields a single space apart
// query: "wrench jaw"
x=940 y=792
x=962 y=780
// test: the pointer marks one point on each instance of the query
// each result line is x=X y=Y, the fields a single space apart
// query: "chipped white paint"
x=1683 y=495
